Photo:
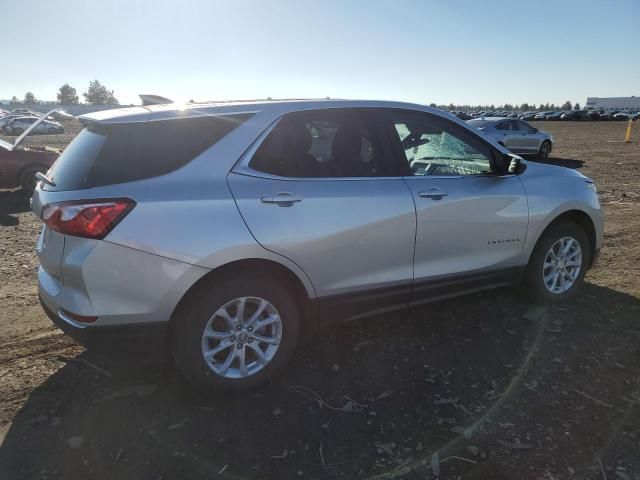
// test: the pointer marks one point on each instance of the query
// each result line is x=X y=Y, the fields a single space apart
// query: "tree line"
x=96 y=94
x=524 y=107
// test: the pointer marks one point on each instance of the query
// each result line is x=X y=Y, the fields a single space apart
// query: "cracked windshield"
x=242 y=240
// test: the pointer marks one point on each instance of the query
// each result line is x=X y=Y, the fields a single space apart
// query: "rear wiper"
x=42 y=177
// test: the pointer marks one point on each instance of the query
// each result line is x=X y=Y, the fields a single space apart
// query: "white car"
x=19 y=124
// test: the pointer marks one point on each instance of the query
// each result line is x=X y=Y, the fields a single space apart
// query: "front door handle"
x=283 y=199
x=433 y=193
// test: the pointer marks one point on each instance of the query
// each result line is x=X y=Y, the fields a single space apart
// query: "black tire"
x=17 y=131
x=534 y=285
x=28 y=180
x=545 y=150
x=192 y=318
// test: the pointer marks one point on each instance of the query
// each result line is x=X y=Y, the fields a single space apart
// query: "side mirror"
x=517 y=165
x=535 y=130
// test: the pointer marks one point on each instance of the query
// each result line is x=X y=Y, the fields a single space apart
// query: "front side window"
x=322 y=143
x=433 y=146
x=525 y=127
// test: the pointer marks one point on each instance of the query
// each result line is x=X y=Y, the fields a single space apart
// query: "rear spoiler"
x=149 y=99
x=19 y=140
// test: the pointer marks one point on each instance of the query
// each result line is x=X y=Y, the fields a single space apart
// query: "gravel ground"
x=480 y=387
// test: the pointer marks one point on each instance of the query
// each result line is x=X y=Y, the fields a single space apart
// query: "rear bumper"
x=138 y=337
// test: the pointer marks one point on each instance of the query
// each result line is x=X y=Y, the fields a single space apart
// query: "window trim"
x=401 y=158
x=377 y=118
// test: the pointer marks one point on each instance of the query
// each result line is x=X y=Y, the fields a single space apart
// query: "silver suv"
x=231 y=230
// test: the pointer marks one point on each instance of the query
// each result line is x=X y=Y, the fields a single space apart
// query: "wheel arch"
x=580 y=218
x=302 y=295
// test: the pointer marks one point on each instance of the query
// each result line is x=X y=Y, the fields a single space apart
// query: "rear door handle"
x=433 y=193
x=283 y=199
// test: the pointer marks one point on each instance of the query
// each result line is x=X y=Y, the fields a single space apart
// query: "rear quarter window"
x=110 y=154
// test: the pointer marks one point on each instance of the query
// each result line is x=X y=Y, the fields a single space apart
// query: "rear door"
x=471 y=219
x=320 y=189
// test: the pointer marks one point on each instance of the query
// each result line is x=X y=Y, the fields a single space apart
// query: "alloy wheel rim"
x=545 y=149
x=562 y=265
x=241 y=337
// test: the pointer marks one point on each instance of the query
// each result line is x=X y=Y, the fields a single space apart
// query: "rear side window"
x=322 y=144
x=110 y=154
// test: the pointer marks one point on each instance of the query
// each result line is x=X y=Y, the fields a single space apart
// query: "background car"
x=527 y=116
x=592 y=115
x=542 y=115
x=517 y=135
x=18 y=125
x=19 y=167
x=573 y=115
x=555 y=116
x=463 y=116
x=622 y=116
x=7 y=118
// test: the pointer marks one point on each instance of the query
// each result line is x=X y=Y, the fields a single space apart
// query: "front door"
x=531 y=139
x=471 y=221
x=319 y=191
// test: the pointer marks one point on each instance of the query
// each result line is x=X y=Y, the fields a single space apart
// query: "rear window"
x=110 y=154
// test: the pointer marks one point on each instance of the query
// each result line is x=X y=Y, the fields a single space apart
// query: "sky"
x=422 y=51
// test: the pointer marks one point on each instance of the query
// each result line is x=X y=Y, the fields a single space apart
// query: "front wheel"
x=17 y=131
x=558 y=264
x=545 y=150
x=235 y=333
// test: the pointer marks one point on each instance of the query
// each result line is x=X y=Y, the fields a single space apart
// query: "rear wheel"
x=17 y=131
x=545 y=150
x=28 y=180
x=558 y=264
x=236 y=333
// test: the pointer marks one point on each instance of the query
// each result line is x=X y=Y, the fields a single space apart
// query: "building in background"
x=609 y=104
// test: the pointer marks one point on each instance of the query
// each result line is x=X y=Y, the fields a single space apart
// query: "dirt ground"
x=480 y=387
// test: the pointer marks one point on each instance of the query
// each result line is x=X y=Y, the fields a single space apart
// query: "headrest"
x=347 y=142
x=297 y=137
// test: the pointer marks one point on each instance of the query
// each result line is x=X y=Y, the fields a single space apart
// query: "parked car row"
x=17 y=121
x=551 y=115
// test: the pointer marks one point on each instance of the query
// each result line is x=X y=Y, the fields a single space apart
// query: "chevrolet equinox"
x=230 y=230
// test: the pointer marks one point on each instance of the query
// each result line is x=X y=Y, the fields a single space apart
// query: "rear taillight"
x=86 y=218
